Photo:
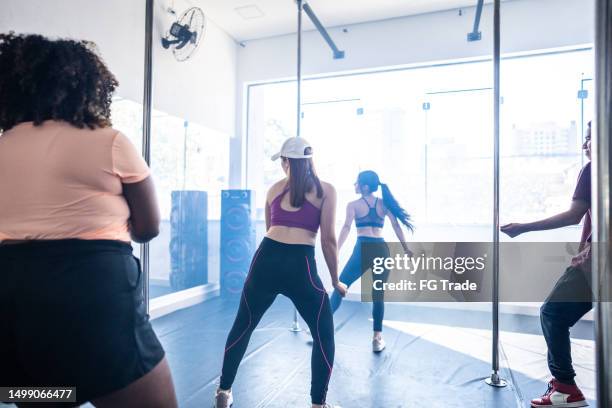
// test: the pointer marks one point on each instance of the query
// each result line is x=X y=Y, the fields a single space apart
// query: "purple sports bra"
x=308 y=217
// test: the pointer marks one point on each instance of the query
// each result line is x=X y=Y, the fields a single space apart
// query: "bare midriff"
x=371 y=232
x=292 y=235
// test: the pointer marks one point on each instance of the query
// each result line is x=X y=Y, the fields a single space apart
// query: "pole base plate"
x=495 y=381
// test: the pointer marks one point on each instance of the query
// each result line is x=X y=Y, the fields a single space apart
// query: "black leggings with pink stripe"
x=288 y=270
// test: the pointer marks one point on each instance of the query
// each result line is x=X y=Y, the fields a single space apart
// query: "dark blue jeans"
x=353 y=271
x=569 y=300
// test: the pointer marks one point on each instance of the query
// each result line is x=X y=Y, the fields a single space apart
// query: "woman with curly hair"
x=74 y=192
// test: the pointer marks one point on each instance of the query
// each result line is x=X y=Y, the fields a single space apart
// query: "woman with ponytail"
x=369 y=214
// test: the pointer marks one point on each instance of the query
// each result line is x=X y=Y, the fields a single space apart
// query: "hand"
x=341 y=288
x=513 y=229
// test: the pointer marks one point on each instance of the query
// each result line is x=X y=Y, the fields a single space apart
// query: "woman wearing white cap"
x=296 y=207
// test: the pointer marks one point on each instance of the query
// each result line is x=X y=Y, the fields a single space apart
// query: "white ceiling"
x=279 y=16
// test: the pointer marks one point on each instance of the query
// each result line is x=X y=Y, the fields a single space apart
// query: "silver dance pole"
x=295 y=326
x=602 y=281
x=495 y=380
x=146 y=130
x=299 y=68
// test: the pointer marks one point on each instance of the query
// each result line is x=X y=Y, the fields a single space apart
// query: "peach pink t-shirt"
x=60 y=182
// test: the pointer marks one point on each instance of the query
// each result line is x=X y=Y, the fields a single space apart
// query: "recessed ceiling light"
x=249 y=12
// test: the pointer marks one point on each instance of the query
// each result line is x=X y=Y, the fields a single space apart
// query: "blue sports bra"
x=371 y=219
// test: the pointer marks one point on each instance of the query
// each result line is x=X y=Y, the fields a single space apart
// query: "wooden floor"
x=434 y=358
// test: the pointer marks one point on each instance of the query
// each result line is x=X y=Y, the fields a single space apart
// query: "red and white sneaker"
x=560 y=395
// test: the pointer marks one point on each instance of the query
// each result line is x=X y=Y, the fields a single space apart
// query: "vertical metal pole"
x=299 y=68
x=146 y=130
x=426 y=160
x=185 y=125
x=295 y=325
x=582 y=116
x=602 y=169
x=495 y=380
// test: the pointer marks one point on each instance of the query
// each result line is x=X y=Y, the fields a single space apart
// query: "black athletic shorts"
x=72 y=313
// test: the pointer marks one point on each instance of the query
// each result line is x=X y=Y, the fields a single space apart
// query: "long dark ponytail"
x=370 y=178
x=302 y=178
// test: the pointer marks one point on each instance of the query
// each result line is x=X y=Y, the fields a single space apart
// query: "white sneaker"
x=378 y=344
x=223 y=399
x=326 y=405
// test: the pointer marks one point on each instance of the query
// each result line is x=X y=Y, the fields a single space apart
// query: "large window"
x=428 y=132
x=542 y=132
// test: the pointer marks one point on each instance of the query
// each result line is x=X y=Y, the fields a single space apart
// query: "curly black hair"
x=43 y=79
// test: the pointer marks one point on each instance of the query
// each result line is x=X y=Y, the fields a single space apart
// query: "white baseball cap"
x=294 y=148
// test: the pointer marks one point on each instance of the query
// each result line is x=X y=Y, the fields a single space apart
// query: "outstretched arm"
x=346 y=228
x=570 y=217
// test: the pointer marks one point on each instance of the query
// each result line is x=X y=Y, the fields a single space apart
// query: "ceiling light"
x=249 y=12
